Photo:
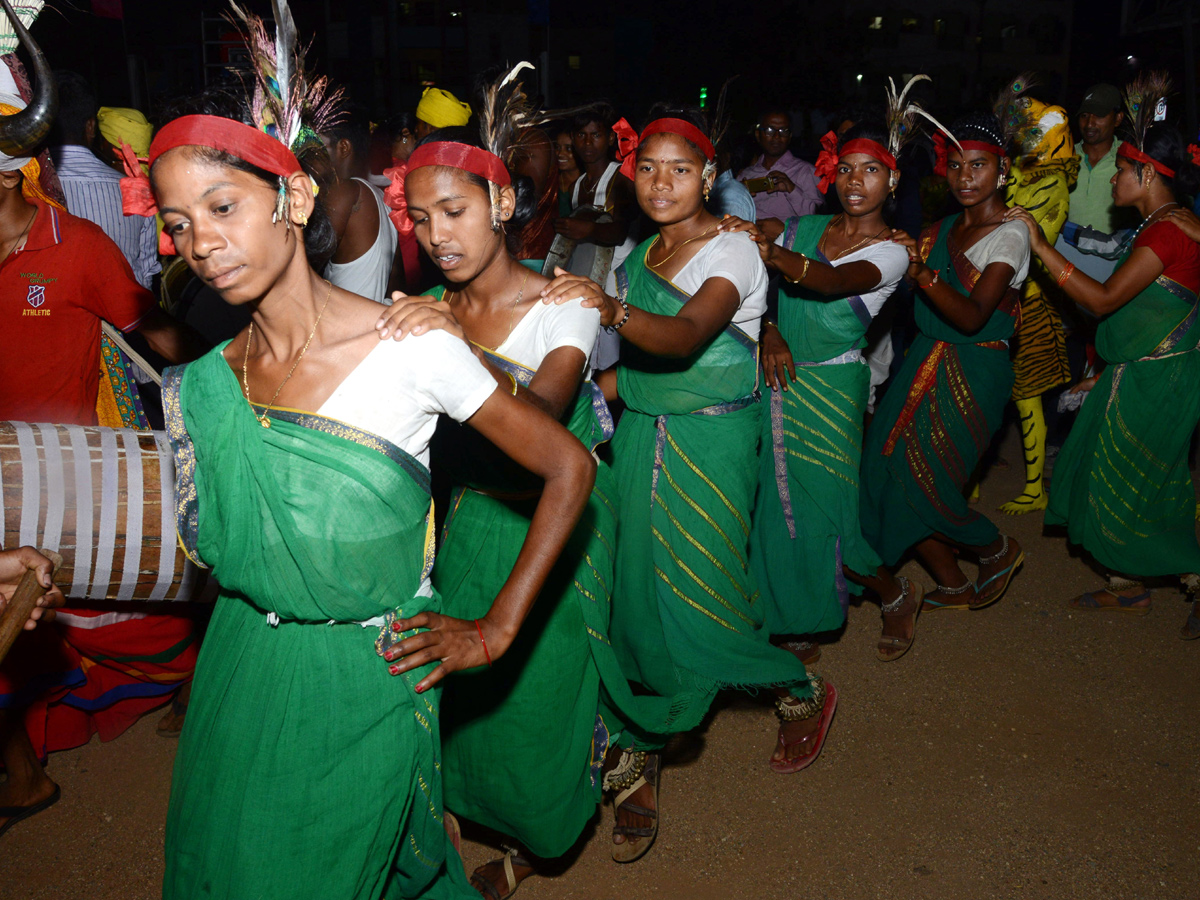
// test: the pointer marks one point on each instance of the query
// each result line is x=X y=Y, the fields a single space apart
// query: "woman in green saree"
x=536 y=719
x=305 y=769
x=949 y=395
x=685 y=618
x=806 y=545
x=1122 y=485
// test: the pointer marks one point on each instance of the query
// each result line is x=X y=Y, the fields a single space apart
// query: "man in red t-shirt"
x=59 y=277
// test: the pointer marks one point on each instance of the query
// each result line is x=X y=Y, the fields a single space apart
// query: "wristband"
x=625 y=306
x=486 y=655
x=937 y=274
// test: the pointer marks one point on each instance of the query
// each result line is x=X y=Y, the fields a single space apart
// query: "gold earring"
x=303 y=220
x=706 y=190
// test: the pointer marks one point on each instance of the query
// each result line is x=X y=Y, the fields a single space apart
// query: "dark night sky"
x=686 y=44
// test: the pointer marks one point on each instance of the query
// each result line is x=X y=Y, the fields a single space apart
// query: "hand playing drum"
x=13 y=565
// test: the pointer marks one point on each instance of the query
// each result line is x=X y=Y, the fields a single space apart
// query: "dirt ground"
x=1023 y=751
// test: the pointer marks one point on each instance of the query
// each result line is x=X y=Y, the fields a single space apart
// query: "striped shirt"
x=93 y=192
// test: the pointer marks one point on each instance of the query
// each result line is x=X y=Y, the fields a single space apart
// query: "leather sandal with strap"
x=488 y=888
x=992 y=589
x=892 y=647
x=638 y=840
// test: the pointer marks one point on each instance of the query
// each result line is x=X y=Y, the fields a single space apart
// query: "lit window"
x=573 y=62
x=875 y=23
x=939 y=27
x=909 y=24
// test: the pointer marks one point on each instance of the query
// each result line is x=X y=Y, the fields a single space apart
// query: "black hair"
x=693 y=114
x=601 y=111
x=857 y=112
x=354 y=125
x=980 y=126
x=394 y=126
x=527 y=201
x=1166 y=145
x=76 y=104
x=320 y=240
x=775 y=110
x=871 y=131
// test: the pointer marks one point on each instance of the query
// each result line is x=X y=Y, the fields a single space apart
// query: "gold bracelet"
x=803 y=272
x=512 y=378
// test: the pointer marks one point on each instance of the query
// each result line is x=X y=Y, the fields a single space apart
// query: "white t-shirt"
x=1007 y=244
x=547 y=327
x=401 y=387
x=734 y=257
x=888 y=257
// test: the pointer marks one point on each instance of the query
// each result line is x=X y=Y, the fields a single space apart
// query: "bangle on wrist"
x=803 y=272
x=619 y=325
x=1067 y=272
x=937 y=274
x=486 y=655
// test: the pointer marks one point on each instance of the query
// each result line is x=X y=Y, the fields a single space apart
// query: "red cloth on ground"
x=53 y=294
x=1179 y=254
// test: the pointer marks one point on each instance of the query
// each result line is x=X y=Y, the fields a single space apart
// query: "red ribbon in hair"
x=1129 y=151
x=627 y=144
x=827 y=161
x=1194 y=152
x=136 y=197
x=397 y=203
x=461 y=156
x=680 y=127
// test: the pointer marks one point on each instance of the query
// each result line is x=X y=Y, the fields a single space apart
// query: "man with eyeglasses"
x=782 y=185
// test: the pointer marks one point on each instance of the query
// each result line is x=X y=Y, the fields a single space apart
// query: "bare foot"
x=25 y=794
x=796 y=738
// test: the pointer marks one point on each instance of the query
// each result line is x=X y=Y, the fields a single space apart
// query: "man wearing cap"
x=440 y=109
x=92 y=187
x=119 y=125
x=1093 y=236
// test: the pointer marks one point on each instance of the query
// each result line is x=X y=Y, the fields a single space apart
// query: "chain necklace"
x=848 y=249
x=658 y=241
x=512 y=313
x=24 y=231
x=263 y=420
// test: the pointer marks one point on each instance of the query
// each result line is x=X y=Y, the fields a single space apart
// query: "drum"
x=104 y=498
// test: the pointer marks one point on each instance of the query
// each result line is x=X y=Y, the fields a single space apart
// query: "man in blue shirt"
x=92 y=188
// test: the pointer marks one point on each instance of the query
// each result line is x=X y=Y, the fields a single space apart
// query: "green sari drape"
x=805 y=522
x=306 y=770
x=686 y=616
x=1122 y=484
x=938 y=418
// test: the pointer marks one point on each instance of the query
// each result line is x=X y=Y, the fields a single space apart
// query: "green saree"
x=686 y=618
x=938 y=418
x=1122 y=484
x=805 y=523
x=523 y=743
x=306 y=770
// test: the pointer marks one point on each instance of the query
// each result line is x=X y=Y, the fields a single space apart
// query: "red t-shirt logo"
x=36 y=295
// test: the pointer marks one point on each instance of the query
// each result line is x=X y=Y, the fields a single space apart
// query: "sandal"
x=453 y=830
x=1000 y=581
x=823 y=703
x=488 y=888
x=15 y=814
x=808 y=652
x=628 y=779
x=1087 y=602
x=891 y=647
x=962 y=603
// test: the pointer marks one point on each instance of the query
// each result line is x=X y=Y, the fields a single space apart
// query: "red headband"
x=243 y=141
x=829 y=157
x=942 y=151
x=1129 y=151
x=628 y=142
x=460 y=156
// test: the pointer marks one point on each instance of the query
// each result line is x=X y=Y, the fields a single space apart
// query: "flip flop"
x=982 y=597
x=795 y=764
x=15 y=814
x=928 y=603
x=1087 y=602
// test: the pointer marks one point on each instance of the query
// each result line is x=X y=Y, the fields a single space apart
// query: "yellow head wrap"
x=441 y=109
x=128 y=125
x=31 y=185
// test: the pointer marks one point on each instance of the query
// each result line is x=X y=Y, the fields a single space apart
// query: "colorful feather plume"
x=1142 y=97
x=901 y=116
x=285 y=103
x=1013 y=113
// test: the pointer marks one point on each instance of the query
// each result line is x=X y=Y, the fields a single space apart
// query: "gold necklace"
x=263 y=420
x=512 y=314
x=658 y=241
x=848 y=249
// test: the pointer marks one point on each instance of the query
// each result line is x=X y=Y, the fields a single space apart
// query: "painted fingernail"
x=396 y=627
x=395 y=670
x=420 y=690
